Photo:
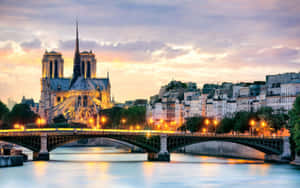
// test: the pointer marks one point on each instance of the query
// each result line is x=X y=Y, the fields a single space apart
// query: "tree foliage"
x=133 y=115
x=294 y=126
x=193 y=124
x=21 y=113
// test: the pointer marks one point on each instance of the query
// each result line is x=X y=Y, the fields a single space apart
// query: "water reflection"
x=110 y=167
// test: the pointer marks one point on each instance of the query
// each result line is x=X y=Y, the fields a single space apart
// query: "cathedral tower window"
x=88 y=74
x=58 y=99
x=51 y=64
x=82 y=69
x=55 y=69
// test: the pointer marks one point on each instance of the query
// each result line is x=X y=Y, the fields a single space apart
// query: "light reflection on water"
x=110 y=167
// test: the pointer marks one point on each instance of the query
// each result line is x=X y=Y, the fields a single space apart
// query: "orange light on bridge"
x=16 y=126
x=137 y=127
x=207 y=121
x=103 y=119
x=148 y=135
x=151 y=121
x=216 y=122
x=91 y=120
x=161 y=121
x=43 y=121
x=204 y=130
x=131 y=127
x=123 y=120
x=22 y=127
x=252 y=122
x=263 y=124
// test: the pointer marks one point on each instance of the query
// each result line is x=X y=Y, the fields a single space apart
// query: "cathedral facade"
x=77 y=98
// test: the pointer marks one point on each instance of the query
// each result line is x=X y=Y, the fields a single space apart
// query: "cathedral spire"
x=76 y=64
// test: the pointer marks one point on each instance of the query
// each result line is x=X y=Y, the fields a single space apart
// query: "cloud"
x=33 y=44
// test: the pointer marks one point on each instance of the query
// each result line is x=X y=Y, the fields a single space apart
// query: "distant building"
x=178 y=101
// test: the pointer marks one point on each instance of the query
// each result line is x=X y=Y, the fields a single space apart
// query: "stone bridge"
x=158 y=144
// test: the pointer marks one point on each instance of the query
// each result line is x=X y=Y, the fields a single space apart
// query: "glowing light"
x=207 y=121
x=263 y=124
x=16 y=126
x=151 y=121
x=161 y=121
x=148 y=134
x=215 y=122
x=91 y=120
x=123 y=120
x=204 y=130
x=103 y=119
x=137 y=127
x=252 y=122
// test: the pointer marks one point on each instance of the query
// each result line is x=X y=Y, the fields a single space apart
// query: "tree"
x=193 y=124
x=226 y=125
x=241 y=121
x=294 y=127
x=21 y=113
x=3 y=111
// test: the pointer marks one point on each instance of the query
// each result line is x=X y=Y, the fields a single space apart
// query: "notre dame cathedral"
x=77 y=98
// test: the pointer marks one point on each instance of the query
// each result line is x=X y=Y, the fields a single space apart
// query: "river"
x=110 y=167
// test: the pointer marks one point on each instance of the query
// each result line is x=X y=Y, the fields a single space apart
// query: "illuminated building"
x=77 y=98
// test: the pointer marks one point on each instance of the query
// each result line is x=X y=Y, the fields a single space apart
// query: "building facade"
x=77 y=98
x=218 y=101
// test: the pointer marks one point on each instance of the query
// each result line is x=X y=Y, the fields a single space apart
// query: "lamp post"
x=252 y=123
x=123 y=121
x=215 y=122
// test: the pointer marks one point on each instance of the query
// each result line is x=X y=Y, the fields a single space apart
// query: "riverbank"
x=7 y=161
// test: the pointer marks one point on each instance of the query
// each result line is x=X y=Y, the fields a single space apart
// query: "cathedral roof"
x=59 y=84
x=90 y=84
x=63 y=84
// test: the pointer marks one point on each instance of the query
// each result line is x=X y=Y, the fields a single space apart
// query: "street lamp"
x=16 y=126
x=91 y=122
x=252 y=123
x=215 y=122
x=103 y=119
x=207 y=122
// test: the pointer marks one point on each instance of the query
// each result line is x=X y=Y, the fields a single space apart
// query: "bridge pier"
x=284 y=157
x=163 y=154
x=43 y=154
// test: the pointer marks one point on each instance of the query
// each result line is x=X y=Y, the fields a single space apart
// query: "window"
x=55 y=69
x=51 y=64
x=88 y=73
x=85 y=100
x=82 y=68
x=58 y=99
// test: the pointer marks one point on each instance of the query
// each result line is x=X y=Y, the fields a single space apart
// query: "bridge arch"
x=267 y=146
x=148 y=144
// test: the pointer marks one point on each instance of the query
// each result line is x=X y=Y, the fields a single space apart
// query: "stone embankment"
x=7 y=160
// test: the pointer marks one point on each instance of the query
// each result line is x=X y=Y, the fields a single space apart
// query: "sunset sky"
x=146 y=43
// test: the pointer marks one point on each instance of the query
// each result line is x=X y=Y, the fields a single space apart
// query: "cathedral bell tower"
x=52 y=65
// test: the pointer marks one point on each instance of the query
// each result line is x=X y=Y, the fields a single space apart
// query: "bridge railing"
x=124 y=131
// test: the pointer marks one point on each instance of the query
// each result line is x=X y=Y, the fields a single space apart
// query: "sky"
x=145 y=44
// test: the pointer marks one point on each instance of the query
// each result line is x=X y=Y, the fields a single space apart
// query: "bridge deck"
x=87 y=131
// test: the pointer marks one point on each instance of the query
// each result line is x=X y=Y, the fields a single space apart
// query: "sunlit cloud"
x=146 y=43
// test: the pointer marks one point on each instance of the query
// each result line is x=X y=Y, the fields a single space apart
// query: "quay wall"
x=6 y=160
